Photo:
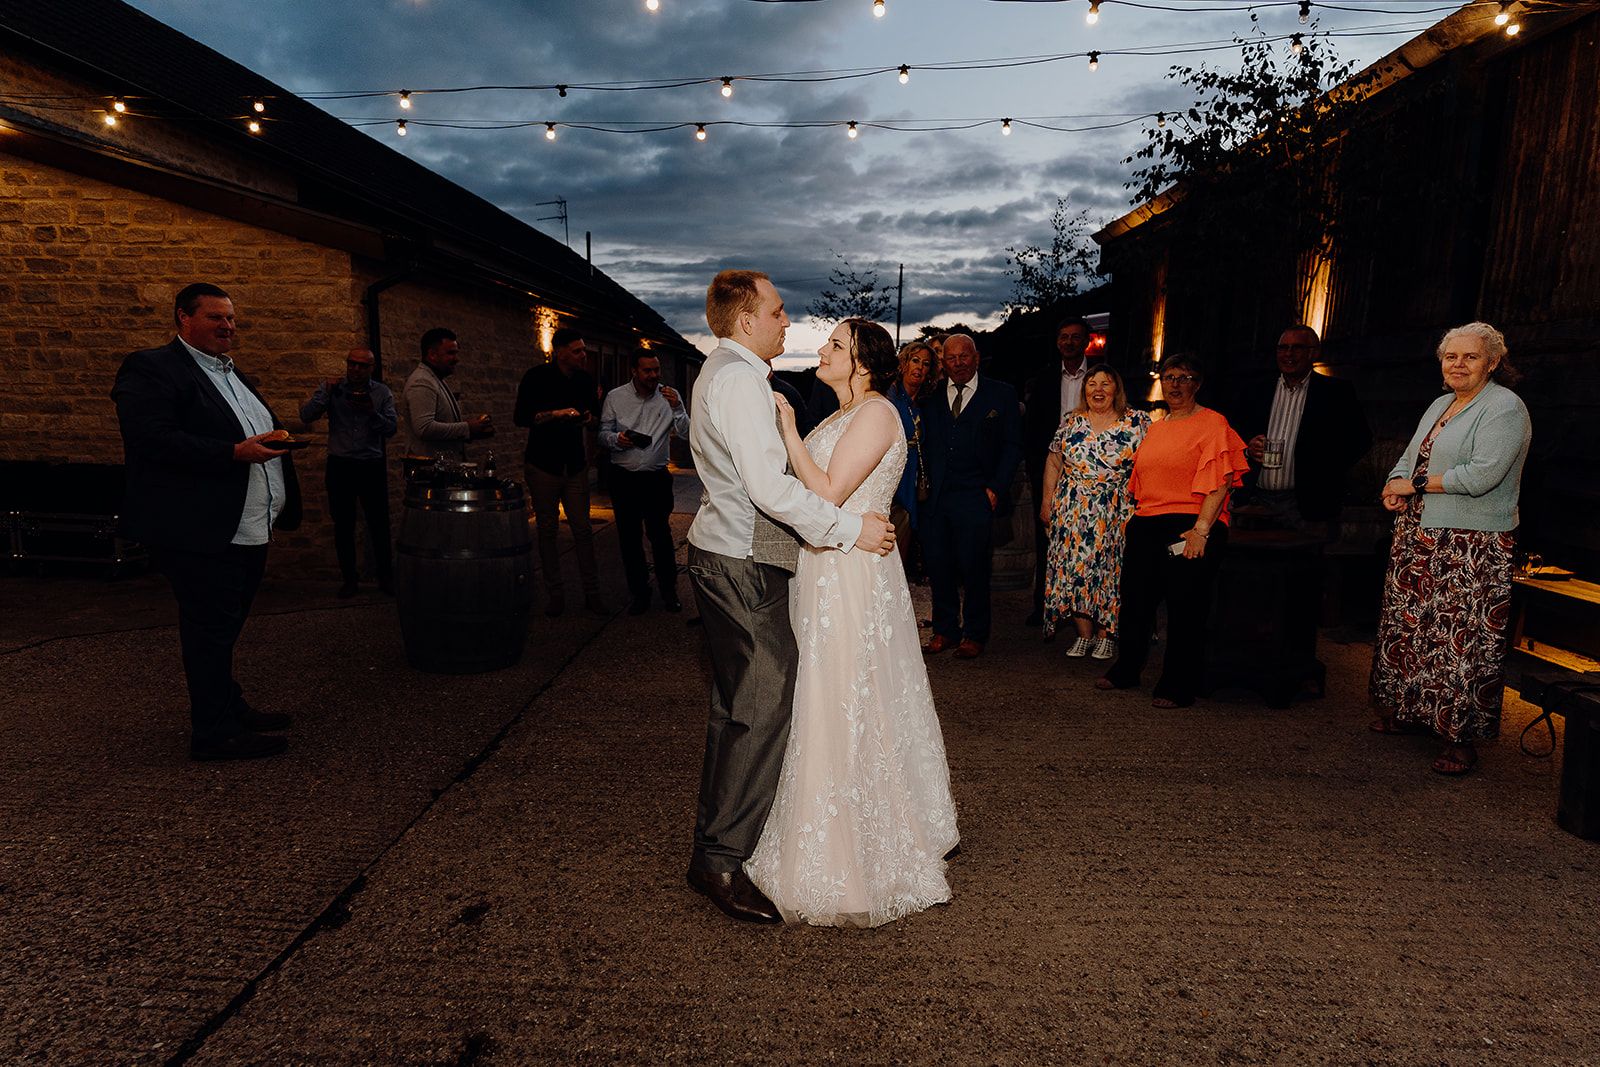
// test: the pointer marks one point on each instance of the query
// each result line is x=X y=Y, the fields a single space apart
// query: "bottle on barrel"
x=488 y=466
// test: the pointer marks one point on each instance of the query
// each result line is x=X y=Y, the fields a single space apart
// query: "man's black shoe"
x=735 y=894
x=672 y=603
x=265 y=721
x=239 y=746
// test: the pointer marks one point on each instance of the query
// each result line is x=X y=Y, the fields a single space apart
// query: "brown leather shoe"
x=735 y=894
x=968 y=649
x=937 y=644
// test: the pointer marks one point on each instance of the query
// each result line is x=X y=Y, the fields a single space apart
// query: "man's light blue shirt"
x=264 y=497
x=626 y=411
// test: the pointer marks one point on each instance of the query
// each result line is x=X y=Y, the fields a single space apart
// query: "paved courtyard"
x=490 y=868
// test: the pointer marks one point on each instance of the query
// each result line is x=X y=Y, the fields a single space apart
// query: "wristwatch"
x=1420 y=483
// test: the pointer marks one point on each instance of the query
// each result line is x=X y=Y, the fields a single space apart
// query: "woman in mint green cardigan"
x=1440 y=657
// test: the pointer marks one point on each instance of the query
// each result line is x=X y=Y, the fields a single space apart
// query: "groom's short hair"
x=730 y=294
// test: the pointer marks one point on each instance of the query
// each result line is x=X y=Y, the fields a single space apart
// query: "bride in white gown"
x=863 y=816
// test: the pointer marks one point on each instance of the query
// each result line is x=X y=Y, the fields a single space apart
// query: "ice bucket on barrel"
x=464 y=572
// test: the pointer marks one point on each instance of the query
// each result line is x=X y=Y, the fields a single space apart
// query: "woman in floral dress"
x=1085 y=508
x=1440 y=657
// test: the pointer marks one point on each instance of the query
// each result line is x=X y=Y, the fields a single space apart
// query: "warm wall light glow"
x=118 y=105
x=1513 y=29
x=1316 y=275
x=545 y=322
x=110 y=120
x=1503 y=16
x=253 y=126
x=258 y=106
x=1094 y=13
x=1158 y=322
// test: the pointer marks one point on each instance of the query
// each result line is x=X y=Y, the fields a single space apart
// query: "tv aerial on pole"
x=560 y=203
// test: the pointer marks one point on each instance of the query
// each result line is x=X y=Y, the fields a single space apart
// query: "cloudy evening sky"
x=667 y=211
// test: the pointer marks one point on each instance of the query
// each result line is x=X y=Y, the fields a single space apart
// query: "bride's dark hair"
x=873 y=350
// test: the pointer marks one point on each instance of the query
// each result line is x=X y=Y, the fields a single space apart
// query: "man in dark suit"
x=204 y=491
x=1304 y=431
x=1051 y=395
x=973 y=442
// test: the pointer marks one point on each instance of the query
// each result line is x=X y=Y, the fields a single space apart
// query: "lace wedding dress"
x=863 y=816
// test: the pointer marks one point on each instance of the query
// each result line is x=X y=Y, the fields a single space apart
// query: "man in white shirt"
x=637 y=421
x=740 y=560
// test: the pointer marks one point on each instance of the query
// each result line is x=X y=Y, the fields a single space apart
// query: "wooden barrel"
x=1013 y=561
x=464 y=574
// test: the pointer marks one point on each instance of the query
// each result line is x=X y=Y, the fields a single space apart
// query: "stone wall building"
x=325 y=238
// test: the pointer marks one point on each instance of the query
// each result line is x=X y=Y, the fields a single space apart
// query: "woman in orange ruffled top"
x=1181 y=477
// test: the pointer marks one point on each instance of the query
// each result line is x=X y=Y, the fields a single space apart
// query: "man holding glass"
x=1304 y=432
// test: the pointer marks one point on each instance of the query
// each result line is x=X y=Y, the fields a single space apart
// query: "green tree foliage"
x=1042 y=276
x=852 y=294
x=1250 y=166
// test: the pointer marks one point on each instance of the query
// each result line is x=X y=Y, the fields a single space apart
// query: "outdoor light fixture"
x=549 y=131
x=111 y=120
x=118 y=106
x=1094 y=60
x=700 y=132
x=400 y=127
x=1297 y=44
x=877 y=9
x=1005 y=127
x=405 y=99
x=253 y=126
x=561 y=91
x=258 y=106
x=1305 y=11
x=1513 y=29
x=905 y=74
x=1094 y=13
x=1503 y=16
x=652 y=5
x=727 y=87
x=852 y=132
x=1161 y=119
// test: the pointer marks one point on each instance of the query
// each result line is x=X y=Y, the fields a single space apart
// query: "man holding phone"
x=636 y=422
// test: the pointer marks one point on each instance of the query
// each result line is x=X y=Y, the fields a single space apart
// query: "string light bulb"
x=1094 y=61
x=700 y=131
x=727 y=87
x=400 y=127
x=561 y=91
x=1161 y=120
x=1297 y=44
x=1094 y=13
x=549 y=131
x=1305 y=11
x=253 y=126
x=905 y=74
x=877 y=9
x=258 y=106
x=119 y=105
x=652 y=5
x=1503 y=16
x=851 y=131
x=110 y=119
x=405 y=99
x=1005 y=127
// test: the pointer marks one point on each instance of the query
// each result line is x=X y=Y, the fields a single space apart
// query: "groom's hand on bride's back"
x=877 y=534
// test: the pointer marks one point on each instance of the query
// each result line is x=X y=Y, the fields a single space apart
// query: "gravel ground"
x=490 y=868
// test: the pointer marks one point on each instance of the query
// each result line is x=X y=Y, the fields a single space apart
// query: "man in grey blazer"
x=435 y=425
x=742 y=549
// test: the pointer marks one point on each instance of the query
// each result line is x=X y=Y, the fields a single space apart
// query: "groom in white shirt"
x=742 y=550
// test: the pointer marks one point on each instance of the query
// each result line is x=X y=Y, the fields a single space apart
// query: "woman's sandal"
x=1455 y=766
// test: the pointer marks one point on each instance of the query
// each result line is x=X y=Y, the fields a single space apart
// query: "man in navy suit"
x=204 y=492
x=972 y=430
x=1317 y=426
